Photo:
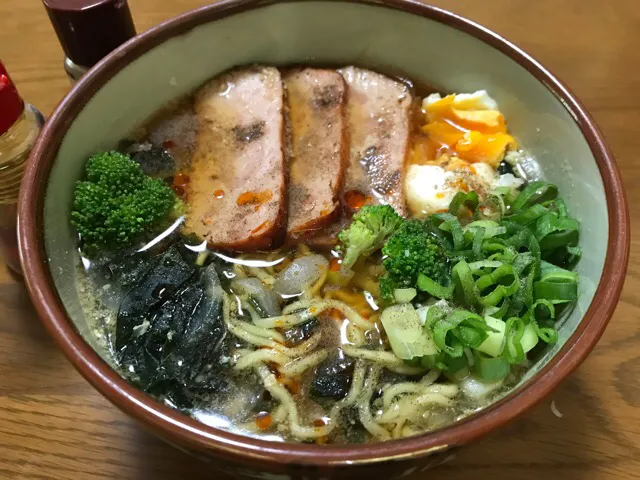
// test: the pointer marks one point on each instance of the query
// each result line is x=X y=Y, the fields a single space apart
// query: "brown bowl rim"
x=189 y=433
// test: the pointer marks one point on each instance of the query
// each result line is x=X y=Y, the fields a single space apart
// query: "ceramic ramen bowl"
x=421 y=42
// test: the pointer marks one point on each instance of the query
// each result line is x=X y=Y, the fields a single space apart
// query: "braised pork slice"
x=379 y=111
x=317 y=147
x=236 y=193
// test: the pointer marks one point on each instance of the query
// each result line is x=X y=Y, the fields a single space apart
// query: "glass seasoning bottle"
x=88 y=30
x=20 y=124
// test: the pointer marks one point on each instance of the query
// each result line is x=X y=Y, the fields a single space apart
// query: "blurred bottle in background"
x=88 y=30
x=20 y=124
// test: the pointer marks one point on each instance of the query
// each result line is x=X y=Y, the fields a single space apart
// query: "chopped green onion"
x=508 y=277
x=511 y=338
x=452 y=365
x=482 y=264
x=478 y=238
x=490 y=369
x=494 y=343
x=498 y=312
x=404 y=295
x=529 y=338
x=534 y=192
x=529 y=215
x=491 y=228
x=507 y=194
x=553 y=231
x=433 y=288
x=555 y=292
x=497 y=279
x=513 y=332
x=561 y=207
x=491 y=208
x=469 y=200
x=460 y=329
x=464 y=287
x=546 y=334
x=575 y=251
x=450 y=224
x=406 y=335
x=556 y=284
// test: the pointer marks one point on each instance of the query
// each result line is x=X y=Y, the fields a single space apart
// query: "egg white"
x=479 y=100
x=427 y=189
x=430 y=188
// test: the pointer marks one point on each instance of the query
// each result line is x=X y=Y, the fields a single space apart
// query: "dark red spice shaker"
x=88 y=30
x=20 y=124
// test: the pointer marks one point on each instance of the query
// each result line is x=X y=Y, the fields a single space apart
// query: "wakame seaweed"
x=170 y=333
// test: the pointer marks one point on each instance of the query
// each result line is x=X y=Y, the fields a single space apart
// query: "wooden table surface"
x=53 y=425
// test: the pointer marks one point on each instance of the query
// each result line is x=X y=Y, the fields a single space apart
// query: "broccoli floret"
x=118 y=203
x=369 y=228
x=411 y=250
x=387 y=286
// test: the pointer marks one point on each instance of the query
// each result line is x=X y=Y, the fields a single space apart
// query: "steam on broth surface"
x=318 y=255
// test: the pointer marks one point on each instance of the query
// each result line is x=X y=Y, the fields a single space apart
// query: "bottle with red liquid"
x=20 y=124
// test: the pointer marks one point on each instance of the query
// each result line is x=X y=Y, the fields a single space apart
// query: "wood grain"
x=53 y=425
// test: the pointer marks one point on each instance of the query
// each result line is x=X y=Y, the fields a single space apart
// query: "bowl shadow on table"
x=536 y=443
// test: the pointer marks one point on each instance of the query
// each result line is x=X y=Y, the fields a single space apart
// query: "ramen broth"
x=245 y=407
x=296 y=349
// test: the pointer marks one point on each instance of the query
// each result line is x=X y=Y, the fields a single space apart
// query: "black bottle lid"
x=90 y=29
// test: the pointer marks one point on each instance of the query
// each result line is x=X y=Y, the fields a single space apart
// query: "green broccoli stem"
x=369 y=229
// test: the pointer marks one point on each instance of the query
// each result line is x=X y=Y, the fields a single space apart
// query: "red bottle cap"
x=90 y=29
x=11 y=104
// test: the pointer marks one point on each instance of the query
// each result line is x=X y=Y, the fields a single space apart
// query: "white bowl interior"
x=332 y=33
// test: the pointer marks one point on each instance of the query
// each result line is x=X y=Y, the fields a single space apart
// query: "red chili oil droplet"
x=335 y=264
x=319 y=422
x=218 y=193
x=292 y=386
x=181 y=179
x=263 y=420
x=355 y=199
x=261 y=226
x=254 y=198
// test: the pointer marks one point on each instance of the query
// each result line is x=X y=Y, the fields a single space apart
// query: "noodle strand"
x=364 y=409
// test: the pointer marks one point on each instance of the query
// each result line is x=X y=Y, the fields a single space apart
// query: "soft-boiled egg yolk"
x=466 y=125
